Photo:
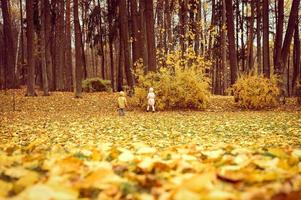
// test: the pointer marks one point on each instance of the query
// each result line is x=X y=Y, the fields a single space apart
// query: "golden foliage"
x=256 y=92
x=58 y=147
x=181 y=83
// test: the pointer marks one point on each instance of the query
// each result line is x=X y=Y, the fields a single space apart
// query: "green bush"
x=256 y=92
x=180 y=84
x=96 y=85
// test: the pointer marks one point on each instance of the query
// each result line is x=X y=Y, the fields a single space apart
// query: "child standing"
x=122 y=103
x=151 y=99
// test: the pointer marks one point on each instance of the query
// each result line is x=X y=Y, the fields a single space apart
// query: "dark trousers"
x=121 y=111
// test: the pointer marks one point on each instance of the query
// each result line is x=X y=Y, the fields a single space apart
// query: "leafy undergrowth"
x=58 y=147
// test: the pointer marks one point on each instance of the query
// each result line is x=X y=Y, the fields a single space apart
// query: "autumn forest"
x=150 y=99
x=57 y=44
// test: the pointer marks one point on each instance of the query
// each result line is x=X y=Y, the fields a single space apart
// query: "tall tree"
x=102 y=53
x=78 y=51
x=124 y=37
x=223 y=45
x=43 y=50
x=2 y=70
x=296 y=58
x=231 y=40
x=265 y=49
x=60 y=39
x=251 y=37
x=279 y=35
x=182 y=24
x=48 y=45
x=168 y=28
x=135 y=32
x=9 y=59
x=111 y=12
x=30 y=48
x=150 y=32
x=120 y=66
x=258 y=35
x=68 y=52
x=289 y=34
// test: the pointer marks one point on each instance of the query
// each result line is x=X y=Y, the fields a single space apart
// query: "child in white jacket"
x=151 y=99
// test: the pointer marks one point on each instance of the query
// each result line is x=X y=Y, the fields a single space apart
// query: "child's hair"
x=121 y=93
x=151 y=89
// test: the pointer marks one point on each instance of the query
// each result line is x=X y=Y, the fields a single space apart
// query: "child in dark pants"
x=122 y=103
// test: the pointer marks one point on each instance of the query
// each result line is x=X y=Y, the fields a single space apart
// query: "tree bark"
x=168 y=7
x=135 y=32
x=150 y=32
x=258 y=33
x=197 y=28
x=223 y=47
x=9 y=59
x=48 y=42
x=59 y=44
x=124 y=37
x=182 y=24
x=250 y=62
x=68 y=52
x=142 y=30
x=266 y=50
x=2 y=68
x=30 y=47
x=43 y=50
x=296 y=58
x=111 y=37
x=231 y=41
x=289 y=34
x=120 y=66
x=78 y=51
x=279 y=36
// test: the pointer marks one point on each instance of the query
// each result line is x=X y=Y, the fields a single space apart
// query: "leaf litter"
x=59 y=147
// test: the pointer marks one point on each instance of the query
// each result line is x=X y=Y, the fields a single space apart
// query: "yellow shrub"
x=181 y=83
x=256 y=92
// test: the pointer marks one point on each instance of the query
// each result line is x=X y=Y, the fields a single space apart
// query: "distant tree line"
x=55 y=44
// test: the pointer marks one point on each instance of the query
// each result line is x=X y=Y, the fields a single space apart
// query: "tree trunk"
x=135 y=33
x=2 y=69
x=296 y=58
x=9 y=59
x=251 y=37
x=78 y=51
x=124 y=37
x=182 y=24
x=279 y=36
x=266 y=50
x=197 y=28
x=150 y=32
x=101 y=44
x=289 y=33
x=231 y=40
x=48 y=46
x=68 y=52
x=142 y=30
x=258 y=33
x=223 y=47
x=242 y=57
x=120 y=66
x=59 y=44
x=30 y=48
x=110 y=21
x=192 y=22
x=159 y=21
x=83 y=38
x=43 y=50
x=168 y=24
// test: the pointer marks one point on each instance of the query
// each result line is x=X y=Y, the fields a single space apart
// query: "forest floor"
x=59 y=147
